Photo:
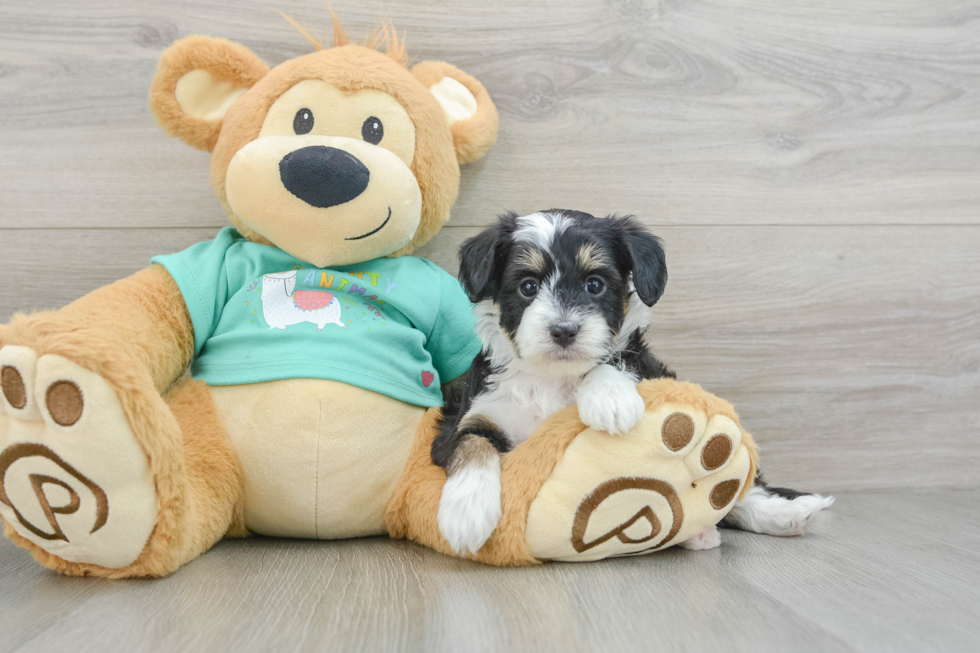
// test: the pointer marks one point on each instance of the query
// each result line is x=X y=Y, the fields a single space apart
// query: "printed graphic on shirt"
x=284 y=306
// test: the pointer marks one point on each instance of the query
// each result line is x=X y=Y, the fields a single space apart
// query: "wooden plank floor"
x=880 y=572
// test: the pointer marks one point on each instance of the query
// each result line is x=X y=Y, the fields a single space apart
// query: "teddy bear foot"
x=74 y=481
x=667 y=481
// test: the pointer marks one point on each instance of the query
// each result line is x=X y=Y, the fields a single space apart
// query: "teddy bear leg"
x=573 y=493
x=108 y=478
x=215 y=489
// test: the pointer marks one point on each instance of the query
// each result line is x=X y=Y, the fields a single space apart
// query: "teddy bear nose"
x=323 y=176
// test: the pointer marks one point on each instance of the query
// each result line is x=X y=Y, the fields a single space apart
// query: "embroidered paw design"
x=671 y=477
x=73 y=479
x=644 y=525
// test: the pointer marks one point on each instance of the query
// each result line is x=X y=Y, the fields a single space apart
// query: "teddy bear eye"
x=303 y=122
x=372 y=130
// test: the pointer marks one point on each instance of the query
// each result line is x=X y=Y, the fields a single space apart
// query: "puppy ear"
x=481 y=256
x=198 y=79
x=470 y=111
x=648 y=262
x=476 y=263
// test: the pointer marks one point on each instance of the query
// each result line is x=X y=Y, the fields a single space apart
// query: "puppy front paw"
x=469 y=509
x=709 y=538
x=608 y=400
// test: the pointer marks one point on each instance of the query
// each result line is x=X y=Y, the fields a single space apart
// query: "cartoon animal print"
x=282 y=307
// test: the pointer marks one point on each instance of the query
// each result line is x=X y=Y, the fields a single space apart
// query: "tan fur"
x=590 y=258
x=384 y=34
x=203 y=504
x=136 y=334
x=214 y=476
x=413 y=510
x=532 y=259
x=225 y=60
x=471 y=450
x=351 y=68
x=438 y=154
x=414 y=507
x=143 y=314
x=662 y=391
x=473 y=137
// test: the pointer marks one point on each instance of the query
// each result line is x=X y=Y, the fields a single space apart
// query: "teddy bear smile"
x=373 y=231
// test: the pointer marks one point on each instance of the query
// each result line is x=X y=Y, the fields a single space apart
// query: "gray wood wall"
x=814 y=168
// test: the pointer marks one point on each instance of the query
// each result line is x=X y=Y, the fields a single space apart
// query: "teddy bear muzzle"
x=327 y=200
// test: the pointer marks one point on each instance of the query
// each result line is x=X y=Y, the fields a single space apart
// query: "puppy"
x=562 y=306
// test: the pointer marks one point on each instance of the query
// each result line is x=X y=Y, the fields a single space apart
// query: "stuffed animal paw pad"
x=707 y=445
x=672 y=476
x=73 y=479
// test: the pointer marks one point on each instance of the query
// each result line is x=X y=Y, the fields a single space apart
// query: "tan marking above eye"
x=590 y=258
x=338 y=113
x=532 y=259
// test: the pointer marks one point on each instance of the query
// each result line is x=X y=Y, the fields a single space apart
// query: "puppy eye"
x=303 y=122
x=372 y=130
x=594 y=286
x=529 y=287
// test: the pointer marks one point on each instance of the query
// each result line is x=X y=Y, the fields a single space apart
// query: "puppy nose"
x=323 y=176
x=564 y=333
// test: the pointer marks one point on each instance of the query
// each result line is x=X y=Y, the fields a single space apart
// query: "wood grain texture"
x=880 y=572
x=813 y=168
x=760 y=112
x=851 y=353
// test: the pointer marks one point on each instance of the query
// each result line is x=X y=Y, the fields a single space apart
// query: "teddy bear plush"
x=317 y=348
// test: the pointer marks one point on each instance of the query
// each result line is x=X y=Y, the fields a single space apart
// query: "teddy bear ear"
x=469 y=109
x=198 y=79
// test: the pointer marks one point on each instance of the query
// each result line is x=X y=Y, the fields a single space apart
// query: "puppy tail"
x=775 y=510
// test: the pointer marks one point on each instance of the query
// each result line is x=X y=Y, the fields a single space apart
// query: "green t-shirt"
x=396 y=326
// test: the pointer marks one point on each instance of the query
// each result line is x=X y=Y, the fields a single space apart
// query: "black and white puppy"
x=562 y=306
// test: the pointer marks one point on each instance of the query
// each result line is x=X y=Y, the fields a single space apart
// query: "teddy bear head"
x=336 y=157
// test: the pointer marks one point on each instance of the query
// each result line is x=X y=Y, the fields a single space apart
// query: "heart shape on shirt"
x=427 y=378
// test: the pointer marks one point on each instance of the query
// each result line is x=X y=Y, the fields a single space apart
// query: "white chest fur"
x=518 y=401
